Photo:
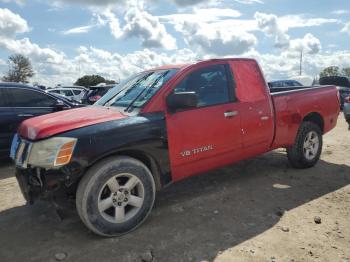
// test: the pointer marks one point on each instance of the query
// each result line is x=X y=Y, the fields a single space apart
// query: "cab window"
x=211 y=85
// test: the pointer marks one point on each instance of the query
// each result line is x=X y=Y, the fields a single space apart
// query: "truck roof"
x=184 y=65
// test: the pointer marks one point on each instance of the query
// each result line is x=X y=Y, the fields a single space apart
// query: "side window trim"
x=231 y=83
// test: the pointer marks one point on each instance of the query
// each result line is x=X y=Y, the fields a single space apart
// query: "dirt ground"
x=258 y=210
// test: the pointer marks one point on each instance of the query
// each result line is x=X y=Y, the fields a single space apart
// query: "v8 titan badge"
x=196 y=151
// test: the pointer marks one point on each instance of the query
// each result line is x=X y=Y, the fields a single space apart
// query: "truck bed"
x=292 y=105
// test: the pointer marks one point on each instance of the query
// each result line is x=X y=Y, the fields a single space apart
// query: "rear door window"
x=30 y=98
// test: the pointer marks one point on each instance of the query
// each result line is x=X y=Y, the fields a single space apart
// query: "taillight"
x=94 y=98
x=347 y=99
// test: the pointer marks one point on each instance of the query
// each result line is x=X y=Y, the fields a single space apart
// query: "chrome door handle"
x=25 y=115
x=229 y=114
x=264 y=118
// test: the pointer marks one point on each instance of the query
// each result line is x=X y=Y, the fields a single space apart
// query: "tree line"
x=335 y=71
x=21 y=70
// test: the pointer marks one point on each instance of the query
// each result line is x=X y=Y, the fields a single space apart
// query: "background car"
x=346 y=109
x=19 y=102
x=342 y=83
x=71 y=93
x=284 y=83
x=95 y=93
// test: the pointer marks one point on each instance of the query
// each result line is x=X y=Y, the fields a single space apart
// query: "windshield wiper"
x=130 y=107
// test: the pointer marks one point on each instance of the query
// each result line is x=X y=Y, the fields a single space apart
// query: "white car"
x=72 y=93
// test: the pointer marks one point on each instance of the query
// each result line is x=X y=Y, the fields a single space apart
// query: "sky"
x=66 y=39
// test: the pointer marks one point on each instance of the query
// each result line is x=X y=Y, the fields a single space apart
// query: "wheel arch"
x=315 y=118
x=144 y=157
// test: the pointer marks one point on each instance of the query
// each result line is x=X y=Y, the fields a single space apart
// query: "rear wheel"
x=115 y=196
x=307 y=148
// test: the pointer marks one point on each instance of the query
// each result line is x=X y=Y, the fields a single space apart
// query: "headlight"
x=52 y=152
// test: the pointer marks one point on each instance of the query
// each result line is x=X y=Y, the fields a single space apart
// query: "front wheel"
x=307 y=148
x=115 y=196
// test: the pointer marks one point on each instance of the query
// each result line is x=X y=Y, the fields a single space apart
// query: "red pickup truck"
x=163 y=125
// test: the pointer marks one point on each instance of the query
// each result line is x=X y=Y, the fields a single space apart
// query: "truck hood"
x=55 y=123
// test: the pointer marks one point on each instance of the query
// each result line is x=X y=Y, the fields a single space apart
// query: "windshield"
x=135 y=91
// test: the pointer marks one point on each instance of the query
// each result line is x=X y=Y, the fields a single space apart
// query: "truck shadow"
x=7 y=168
x=193 y=220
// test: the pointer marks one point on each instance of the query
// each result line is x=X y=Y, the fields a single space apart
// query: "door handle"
x=25 y=115
x=229 y=114
x=264 y=118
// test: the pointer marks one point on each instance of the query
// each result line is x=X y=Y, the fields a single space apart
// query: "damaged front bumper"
x=36 y=184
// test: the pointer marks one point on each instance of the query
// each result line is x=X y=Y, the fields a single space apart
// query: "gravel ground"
x=257 y=210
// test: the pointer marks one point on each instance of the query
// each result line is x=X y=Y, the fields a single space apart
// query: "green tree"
x=330 y=71
x=92 y=80
x=346 y=71
x=20 y=69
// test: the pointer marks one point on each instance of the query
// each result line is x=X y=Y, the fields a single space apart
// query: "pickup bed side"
x=317 y=104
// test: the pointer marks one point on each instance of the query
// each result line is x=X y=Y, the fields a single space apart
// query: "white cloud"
x=183 y=3
x=299 y=21
x=285 y=65
x=202 y=15
x=78 y=30
x=87 y=2
x=90 y=60
x=278 y=27
x=212 y=38
x=249 y=2
x=110 y=3
x=268 y=23
x=341 y=12
x=216 y=13
x=113 y=22
x=96 y=21
x=346 y=28
x=309 y=44
x=141 y=24
x=11 y=23
x=32 y=50
x=19 y=2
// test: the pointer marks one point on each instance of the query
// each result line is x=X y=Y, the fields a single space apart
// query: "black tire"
x=94 y=181
x=296 y=155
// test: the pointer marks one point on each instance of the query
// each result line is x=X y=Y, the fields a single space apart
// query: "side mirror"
x=60 y=105
x=181 y=100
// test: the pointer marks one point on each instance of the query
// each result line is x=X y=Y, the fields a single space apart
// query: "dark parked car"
x=341 y=82
x=284 y=83
x=19 y=102
x=346 y=109
x=95 y=93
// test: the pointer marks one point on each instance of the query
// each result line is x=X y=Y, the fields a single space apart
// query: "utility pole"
x=79 y=67
x=301 y=62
